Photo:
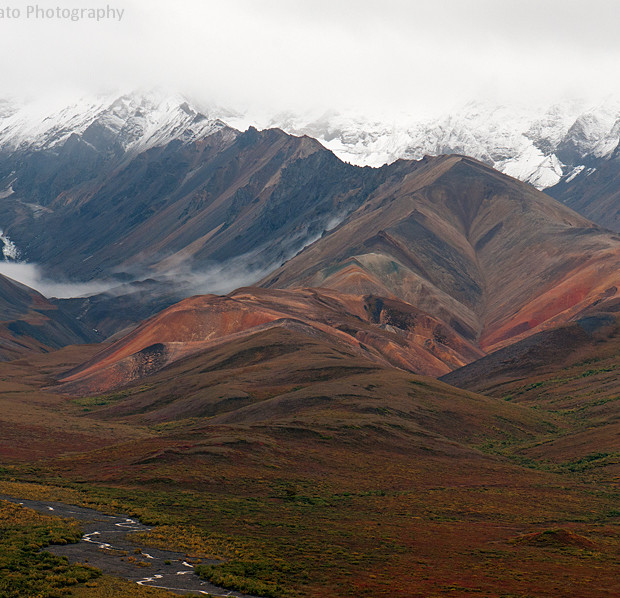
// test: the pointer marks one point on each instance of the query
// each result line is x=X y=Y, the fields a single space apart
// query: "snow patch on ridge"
x=573 y=173
x=9 y=249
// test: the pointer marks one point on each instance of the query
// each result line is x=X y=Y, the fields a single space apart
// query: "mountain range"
x=147 y=187
x=540 y=145
x=557 y=148
x=404 y=374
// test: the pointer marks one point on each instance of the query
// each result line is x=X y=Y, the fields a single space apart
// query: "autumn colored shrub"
x=26 y=570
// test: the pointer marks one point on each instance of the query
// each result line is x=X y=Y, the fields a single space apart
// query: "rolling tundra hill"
x=276 y=445
x=287 y=376
x=572 y=371
x=280 y=445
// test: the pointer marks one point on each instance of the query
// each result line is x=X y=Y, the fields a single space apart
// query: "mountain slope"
x=445 y=260
x=594 y=191
x=44 y=155
x=284 y=378
x=491 y=256
x=130 y=123
x=256 y=197
x=571 y=370
x=101 y=176
x=540 y=145
x=29 y=322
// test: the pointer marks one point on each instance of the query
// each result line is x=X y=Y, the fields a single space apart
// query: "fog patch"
x=219 y=278
x=247 y=269
x=181 y=280
x=33 y=276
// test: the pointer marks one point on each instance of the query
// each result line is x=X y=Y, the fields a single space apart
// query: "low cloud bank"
x=33 y=276
x=217 y=279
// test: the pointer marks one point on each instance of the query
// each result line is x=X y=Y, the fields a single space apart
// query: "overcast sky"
x=377 y=55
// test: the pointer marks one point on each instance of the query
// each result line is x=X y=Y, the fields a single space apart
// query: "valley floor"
x=375 y=504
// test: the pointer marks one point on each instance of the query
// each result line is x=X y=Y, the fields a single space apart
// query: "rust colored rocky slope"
x=446 y=261
x=383 y=331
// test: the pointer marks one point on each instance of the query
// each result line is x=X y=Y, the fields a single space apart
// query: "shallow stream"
x=105 y=546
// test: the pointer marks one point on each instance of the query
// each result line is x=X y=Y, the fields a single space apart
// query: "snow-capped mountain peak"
x=537 y=145
x=132 y=122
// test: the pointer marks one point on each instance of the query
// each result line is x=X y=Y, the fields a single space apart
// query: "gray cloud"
x=380 y=56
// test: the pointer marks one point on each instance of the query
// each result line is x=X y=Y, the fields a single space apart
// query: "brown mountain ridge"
x=490 y=255
x=385 y=332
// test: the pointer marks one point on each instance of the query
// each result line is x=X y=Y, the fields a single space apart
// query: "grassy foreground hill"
x=571 y=371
